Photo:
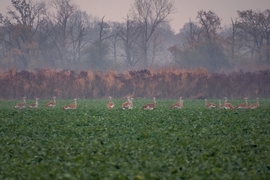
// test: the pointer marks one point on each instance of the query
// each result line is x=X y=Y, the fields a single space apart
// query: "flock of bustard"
x=129 y=104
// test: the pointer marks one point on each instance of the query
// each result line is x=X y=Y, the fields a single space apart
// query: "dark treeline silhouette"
x=58 y=34
x=161 y=83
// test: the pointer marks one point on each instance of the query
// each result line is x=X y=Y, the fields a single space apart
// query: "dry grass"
x=169 y=82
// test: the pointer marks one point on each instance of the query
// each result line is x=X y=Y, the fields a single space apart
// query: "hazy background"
x=96 y=34
x=116 y=10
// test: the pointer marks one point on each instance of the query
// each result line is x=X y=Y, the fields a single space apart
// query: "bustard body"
x=51 y=104
x=178 y=105
x=34 y=105
x=71 y=106
x=255 y=105
x=243 y=105
x=150 y=106
x=128 y=104
x=110 y=104
x=227 y=105
x=21 y=105
x=210 y=105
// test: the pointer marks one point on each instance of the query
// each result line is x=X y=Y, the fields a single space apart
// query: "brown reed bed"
x=169 y=82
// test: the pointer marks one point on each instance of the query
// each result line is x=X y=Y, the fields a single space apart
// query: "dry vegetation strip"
x=162 y=83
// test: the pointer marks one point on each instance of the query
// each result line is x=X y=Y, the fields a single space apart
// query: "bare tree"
x=210 y=24
x=150 y=14
x=99 y=49
x=264 y=18
x=114 y=39
x=128 y=32
x=255 y=30
x=234 y=30
x=228 y=39
x=190 y=34
x=156 y=41
x=159 y=45
x=46 y=46
x=201 y=46
x=79 y=27
x=20 y=27
x=61 y=34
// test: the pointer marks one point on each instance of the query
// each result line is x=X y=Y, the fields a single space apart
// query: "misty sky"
x=116 y=10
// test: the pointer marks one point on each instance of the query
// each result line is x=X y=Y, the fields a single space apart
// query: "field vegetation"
x=93 y=142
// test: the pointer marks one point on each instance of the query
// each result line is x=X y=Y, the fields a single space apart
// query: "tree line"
x=58 y=34
x=245 y=42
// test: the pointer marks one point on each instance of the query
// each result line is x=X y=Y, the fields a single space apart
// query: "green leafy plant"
x=93 y=142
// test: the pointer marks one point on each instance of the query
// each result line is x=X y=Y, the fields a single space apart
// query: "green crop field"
x=93 y=142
